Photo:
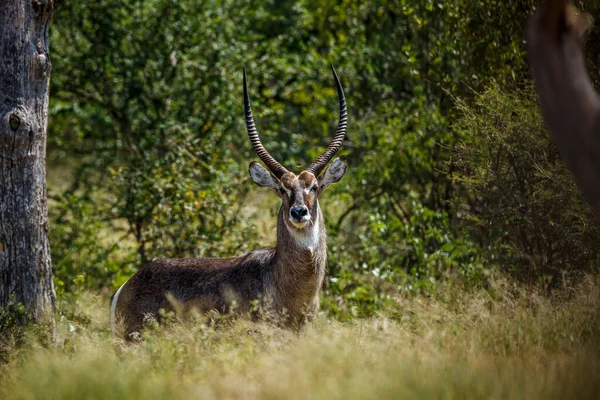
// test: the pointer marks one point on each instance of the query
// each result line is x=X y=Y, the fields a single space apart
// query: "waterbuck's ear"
x=264 y=178
x=332 y=174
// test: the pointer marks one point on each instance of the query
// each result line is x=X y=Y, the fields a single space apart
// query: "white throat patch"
x=307 y=239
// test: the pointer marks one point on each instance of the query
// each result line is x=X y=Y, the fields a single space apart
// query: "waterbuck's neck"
x=300 y=261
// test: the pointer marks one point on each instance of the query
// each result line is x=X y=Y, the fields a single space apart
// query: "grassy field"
x=499 y=343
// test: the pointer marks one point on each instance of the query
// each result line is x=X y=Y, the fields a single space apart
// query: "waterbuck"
x=285 y=280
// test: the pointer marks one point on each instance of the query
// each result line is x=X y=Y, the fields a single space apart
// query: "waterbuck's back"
x=187 y=284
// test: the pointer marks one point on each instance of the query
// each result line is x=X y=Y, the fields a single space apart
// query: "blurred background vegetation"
x=452 y=174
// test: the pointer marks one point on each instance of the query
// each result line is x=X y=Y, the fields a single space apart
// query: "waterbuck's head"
x=299 y=193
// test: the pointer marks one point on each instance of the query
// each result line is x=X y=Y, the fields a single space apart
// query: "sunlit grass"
x=501 y=343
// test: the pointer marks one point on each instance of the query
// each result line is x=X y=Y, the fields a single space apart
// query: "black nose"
x=298 y=213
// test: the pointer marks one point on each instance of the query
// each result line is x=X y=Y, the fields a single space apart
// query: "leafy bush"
x=12 y=319
x=87 y=253
x=143 y=99
x=146 y=103
x=523 y=206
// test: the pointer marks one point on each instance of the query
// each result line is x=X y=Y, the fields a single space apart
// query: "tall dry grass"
x=503 y=343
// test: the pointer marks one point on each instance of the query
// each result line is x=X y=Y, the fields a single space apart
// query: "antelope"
x=285 y=279
x=569 y=103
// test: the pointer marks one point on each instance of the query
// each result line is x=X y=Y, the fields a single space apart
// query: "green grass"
x=501 y=343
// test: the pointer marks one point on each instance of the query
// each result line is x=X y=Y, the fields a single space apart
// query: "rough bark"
x=25 y=267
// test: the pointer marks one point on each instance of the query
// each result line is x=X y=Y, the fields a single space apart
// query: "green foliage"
x=523 y=206
x=12 y=319
x=592 y=47
x=85 y=252
x=144 y=97
x=11 y=316
x=146 y=103
x=397 y=256
x=406 y=62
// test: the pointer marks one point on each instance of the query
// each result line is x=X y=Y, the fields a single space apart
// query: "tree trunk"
x=25 y=268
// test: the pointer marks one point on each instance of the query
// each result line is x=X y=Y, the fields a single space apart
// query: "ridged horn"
x=317 y=166
x=277 y=169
